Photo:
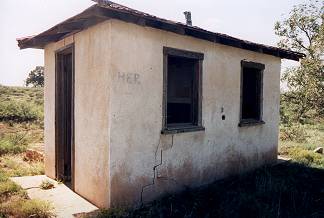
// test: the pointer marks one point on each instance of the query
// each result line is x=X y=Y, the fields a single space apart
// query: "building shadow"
x=284 y=190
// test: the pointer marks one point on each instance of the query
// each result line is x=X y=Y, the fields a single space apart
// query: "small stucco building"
x=137 y=106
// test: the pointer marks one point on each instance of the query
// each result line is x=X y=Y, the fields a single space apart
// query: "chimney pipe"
x=188 y=18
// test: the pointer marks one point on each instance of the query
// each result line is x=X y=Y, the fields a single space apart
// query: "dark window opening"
x=182 y=99
x=182 y=87
x=251 y=105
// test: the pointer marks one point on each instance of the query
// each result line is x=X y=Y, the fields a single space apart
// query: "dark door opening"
x=64 y=116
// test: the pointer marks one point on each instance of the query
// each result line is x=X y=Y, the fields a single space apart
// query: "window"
x=182 y=91
x=251 y=93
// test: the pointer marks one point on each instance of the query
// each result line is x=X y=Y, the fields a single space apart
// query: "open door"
x=64 y=116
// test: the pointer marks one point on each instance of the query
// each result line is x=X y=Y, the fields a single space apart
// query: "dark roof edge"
x=100 y=12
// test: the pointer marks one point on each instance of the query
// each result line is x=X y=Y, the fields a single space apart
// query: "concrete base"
x=66 y=202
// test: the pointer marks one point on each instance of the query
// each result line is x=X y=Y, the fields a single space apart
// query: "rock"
x=32 y=155
x=319 y=150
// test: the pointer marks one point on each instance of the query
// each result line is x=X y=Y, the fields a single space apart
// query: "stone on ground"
x=319 y=150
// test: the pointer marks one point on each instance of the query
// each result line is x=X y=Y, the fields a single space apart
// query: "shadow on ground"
x=285 y=190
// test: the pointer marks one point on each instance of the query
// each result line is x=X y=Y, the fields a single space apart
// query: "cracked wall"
x=118 y=113
x=195 y=158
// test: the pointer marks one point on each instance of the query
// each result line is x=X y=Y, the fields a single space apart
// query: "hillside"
x=21 y=149
x=21 y=104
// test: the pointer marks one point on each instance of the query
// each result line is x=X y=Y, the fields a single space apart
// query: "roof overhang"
x=70 y=26
x=105 y=10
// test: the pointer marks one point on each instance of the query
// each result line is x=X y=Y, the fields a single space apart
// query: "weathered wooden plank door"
x=64 y=116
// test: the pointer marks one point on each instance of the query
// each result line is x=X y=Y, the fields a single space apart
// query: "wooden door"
x=64 y=116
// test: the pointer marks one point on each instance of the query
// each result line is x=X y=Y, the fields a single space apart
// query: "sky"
x=249 y=19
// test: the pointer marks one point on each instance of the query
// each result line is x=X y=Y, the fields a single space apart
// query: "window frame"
x=199 y=57
x=261 y=68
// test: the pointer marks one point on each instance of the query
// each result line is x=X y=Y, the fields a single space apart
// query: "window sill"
x=175 y=130
x=250 y=123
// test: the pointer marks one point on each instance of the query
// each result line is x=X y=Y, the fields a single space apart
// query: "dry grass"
x=301 y=151
x=46 y=184
x=8 y=187
x=13 y=199
x=15 y=138
x=18 y=207
x=14 y=165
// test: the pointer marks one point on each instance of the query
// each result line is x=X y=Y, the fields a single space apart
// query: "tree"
x=303 y=31
x=36 y=77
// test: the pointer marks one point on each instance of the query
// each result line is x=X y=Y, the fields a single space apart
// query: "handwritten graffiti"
x=130 y=78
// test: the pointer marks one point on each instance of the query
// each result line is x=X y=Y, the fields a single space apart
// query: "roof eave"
x=74 y=24
x=98 y=13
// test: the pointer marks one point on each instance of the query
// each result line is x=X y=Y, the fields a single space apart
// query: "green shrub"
x=295 y=132
x=3 y=176
x=286 y=115
x=19 y=111
x=303 y=156
x=13 y=144
x=36 y=168
x=18 y=104
x=8 y=187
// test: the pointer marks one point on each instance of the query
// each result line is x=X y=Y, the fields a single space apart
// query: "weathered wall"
x=194 y=158
x=118 y=115
x=92 y=61
x=49 y=110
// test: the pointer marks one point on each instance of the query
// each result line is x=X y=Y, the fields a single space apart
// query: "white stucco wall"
x=92 y=61
x=194 y=158
x=118 y=115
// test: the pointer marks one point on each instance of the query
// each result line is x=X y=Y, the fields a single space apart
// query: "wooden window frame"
x=199 y=57
x=260 y=67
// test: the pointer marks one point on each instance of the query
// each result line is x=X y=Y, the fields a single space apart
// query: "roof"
x=105 y=10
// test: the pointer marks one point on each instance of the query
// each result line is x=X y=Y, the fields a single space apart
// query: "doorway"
x=64 y=116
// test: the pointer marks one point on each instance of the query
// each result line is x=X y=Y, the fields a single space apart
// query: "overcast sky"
x=249 y=19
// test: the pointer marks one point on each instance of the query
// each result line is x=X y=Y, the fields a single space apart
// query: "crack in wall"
x=153 y=179
x=155 y=176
